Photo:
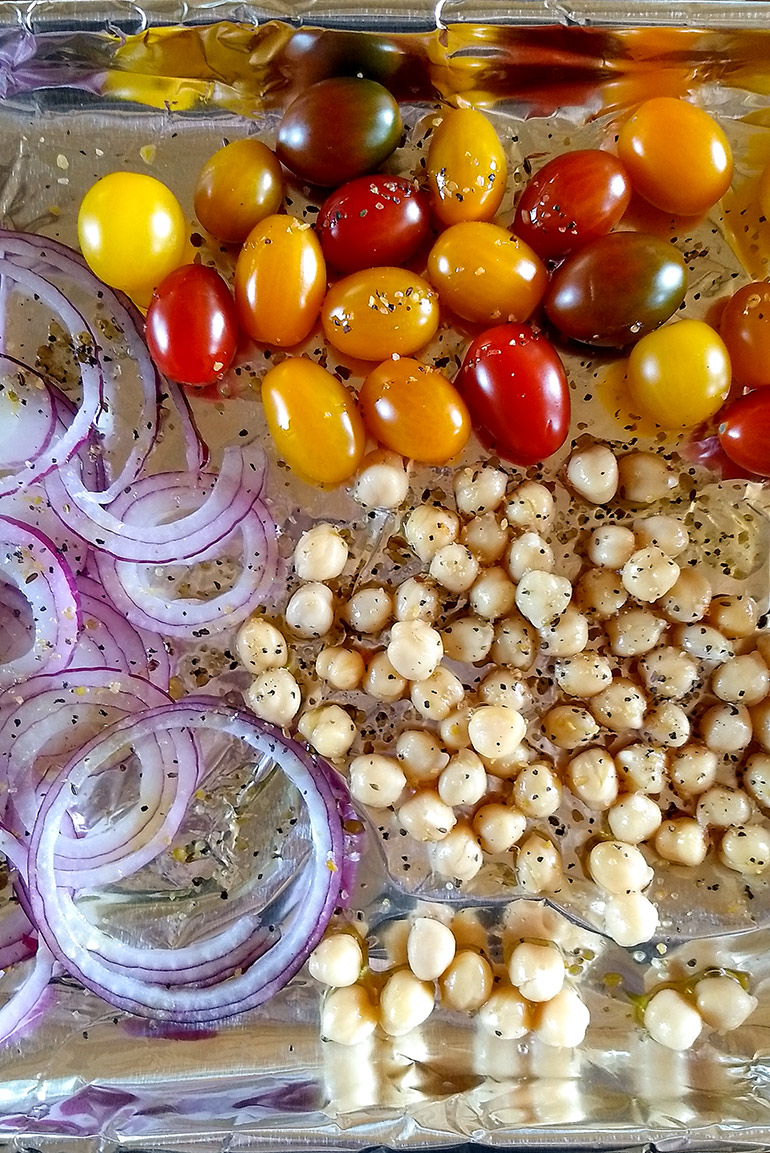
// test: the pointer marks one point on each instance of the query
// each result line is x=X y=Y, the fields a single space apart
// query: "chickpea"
x=563 y=1021
x=618 y=867
x=593 y=473
x=682 y=840
x=515 y=644
x=600 y=594
x=310 y=611
x=505 y=768
x=610 y=546
x=425 y=816
x=530 y=505
x=756 y=778
x=468 y=639
x=630 y=919
x=502 y=687
x=428 y=529
x=539 y=865
x=381 y=680
x=479 y=489
x=260 y=645
x=762 y=641
x=742 y=680
x=420 y=755
x=454 y=568
x=593 y=778
x=642 y=767
x=645 y=477
x=537 y=971
x=467 y=983
x=370 y=610
x=689 y=599
x=430 y=948
x=274 y=696
x=506 y=1015
x=569 y=726
x=337 y=960
x=619 y=707
x=459 y=855
x=667 y=724
x=542 y=597
x=537 y=791
x=693 y=770
x=348 y=1016
x=634 y=631
x=453 y=729
x=704 y=643
x=528 y=552
x=734 y=616
x=760 y=721
x=417 y=600
x=405 y=1003
x=726 y=728
x=720 y=807
x=415 y=649
x=723 y=1003
x=746 y=849
x=321 y=554
x=329 y=730
x=340 y=667
x=382 y=480
x=583 y=675
x=665 y=532
x=634 y=818
x=672 y=1021
x=568 y=636
x=499 y=827
x=492 y=594
x=376 y=781
x=464 y=780
x=496 y=731
x=649 y=574
x=436 y=696
x=486 y=537
x=668 y=673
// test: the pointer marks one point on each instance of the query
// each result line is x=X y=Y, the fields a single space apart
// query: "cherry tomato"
x=132 y=232
x=744 y=432
x=379 y=312
x=484 y=273
x=280 y=280
x=466 y=167
x=373 y=220
x=745 y=328
x=680 y=375
x=414 y=410
x=313 y=420
x=616 y=289
x=676 y=155
x=338 y=129
x=314 y=54
x=191 y=325
x=238 y=186
x=573 y=199
x=517 y=392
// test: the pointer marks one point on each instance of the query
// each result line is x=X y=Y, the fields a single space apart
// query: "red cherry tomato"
x=192 y=326
x=745 y=328
x=573 y=199
x=744 y=432
x=372 y=221
x=517 y=391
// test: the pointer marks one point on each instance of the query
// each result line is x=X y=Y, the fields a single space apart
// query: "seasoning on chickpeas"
x=369 y=610
x=260 y=645
x=415 y=649
x=468 y=639
x=746 y=849
x=428 y=529
x=649 y=574
x=382 y=480
x=529 y=551
x=340 y=667
x=376 y=780
x=329 y=729
x=682 y=840
x=593 y=473
x=275 y=696
x=499 y=827
x=538 y=865
x=426 y=817
x=645 y=477
x=320 y=554
x=619 y=867
x=381 y=680
x=542 y=597
x=479 y=489
x=420 y=755
x=417 y=599
x=530 y=505
x=454 y=567
x=610 y=546
x=437 y=695
x=459 y=855
x=310 y=611
x=496 y=731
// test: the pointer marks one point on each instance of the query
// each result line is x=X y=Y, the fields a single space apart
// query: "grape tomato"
x=280 y=280
x=680 y=375
x=414 y=410
x=380 y=312
x=745 y=328
x=192 y=326
x=466 y=167
x=744 y=432
x=237 y=187
x=373 y=220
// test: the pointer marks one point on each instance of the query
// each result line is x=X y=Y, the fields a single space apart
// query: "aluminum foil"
x=85 y=91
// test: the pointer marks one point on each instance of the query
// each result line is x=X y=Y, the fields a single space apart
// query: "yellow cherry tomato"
x=680 y=374
x=486 y=274
x=676 y=155
x=313 y=420
x=466 y=167
x=379 y=312
x=414 y=410
x=280 y=280
x=132 y=232
x=238 y=186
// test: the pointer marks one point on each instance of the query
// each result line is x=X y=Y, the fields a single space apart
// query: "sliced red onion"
x=25 y=999
x=17 y=936
x=154 y=662
x=196 y=450
x=27 y=418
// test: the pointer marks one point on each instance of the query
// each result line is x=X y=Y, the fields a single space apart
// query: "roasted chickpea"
x=645 y=477
x=689 y=599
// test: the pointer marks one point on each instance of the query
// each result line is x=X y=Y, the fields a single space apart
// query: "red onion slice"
x=118 y=645
x=27 y=418
x=25 y=999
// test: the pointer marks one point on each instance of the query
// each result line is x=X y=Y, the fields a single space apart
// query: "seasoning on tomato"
x=313 y=421
x=517 y=391
x=280 y=280
x=573 y=199
x=380 y=312
x=744 y=432
x=414 y=410
x=466 y=167
x=237 y=187
x=485 y=274
x=616 y=289
x=373 y=220
x=132 y=232
x=745 y=328
x=192 y=326
x=676 y=155
x=680 y=375
x=338 y=129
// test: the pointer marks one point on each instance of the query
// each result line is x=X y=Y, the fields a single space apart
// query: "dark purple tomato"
x=338 y=129
x=744 y=432
x=313 y=54
x=573 y=199
x=191 y=325
x=616 y=289
x=517 y=391
x=371 y=221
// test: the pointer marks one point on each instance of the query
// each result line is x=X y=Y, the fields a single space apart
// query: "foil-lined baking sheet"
x=85 y=92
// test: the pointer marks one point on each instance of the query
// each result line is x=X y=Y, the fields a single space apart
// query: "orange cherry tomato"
x=280 y=280
x=745 y=328
x=466 y=167
x=313 y=421
x=485 y=274
x=676 y=155
x=238 y=186
x=414 y=410
x=378 y=312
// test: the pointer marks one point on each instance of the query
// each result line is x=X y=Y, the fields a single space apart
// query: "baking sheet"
x=81 y=101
